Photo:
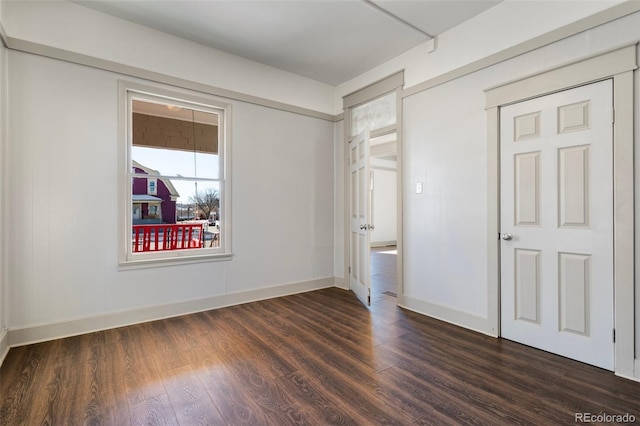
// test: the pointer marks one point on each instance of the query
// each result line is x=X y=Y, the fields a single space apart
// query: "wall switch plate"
x=418 y=187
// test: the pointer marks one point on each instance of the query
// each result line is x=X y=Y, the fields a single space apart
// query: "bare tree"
x=207 y=202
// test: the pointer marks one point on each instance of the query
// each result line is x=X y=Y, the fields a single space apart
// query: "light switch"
x=418 y=187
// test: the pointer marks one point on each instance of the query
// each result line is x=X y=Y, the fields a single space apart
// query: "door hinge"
x=614 y=335
x=613 y=115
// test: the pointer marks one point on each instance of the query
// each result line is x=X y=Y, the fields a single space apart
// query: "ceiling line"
x=370 y=3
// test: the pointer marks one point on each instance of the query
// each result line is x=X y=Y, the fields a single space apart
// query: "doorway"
x=373 y=112
x=557 y=223
x=618 y=65
x=384 y=217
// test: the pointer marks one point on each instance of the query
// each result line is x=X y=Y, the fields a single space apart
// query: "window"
x=175 y=179
x=374 y=115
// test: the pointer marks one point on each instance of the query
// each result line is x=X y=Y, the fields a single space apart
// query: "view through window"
x=177 y=178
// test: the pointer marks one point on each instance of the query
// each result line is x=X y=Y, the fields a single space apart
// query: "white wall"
x=74 y=28
x=384 y=202
x=62 y=204
x=445 y=240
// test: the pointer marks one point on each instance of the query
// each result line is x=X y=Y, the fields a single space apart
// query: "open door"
x=359 y=275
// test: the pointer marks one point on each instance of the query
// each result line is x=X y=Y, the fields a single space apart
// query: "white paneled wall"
x=62 y=203
x=445 y=261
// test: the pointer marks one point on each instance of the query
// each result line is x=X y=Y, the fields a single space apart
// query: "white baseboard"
x=631 y=375
x=624 y=376
x=43 y=332
x=636 y=372
x=455 y=317
x=339 y=282
x=4 y=345
x=383 y=243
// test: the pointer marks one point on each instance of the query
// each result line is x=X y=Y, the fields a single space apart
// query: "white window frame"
x=188 y=99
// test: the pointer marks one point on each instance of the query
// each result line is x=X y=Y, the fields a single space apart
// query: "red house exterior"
x=153 y=199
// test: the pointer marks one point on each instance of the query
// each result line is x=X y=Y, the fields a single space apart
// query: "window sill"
x=125 y=265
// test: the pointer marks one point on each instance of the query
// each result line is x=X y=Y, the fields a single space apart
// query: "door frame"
x=616 y=64
x=392 y=83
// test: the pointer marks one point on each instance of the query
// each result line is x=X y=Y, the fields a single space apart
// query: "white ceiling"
x=327 y=40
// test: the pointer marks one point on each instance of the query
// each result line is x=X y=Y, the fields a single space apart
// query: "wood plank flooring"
x=317 y=358
x=383 y=272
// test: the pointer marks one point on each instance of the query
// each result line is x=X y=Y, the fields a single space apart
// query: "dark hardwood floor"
x=316 y=358
x=383 y=272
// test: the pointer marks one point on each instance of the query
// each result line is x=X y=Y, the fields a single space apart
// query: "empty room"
x=319 y=212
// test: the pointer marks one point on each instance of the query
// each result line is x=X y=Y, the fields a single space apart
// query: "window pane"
x=172 y=214
x=174 y=140
x=374 y=115
x=169 y=162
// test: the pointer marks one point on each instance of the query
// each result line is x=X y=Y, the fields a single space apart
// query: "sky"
x=180 y=164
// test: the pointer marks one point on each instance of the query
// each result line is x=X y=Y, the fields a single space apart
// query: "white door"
x=359 y=277
x=557 y=223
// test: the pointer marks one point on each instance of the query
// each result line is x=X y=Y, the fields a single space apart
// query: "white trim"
x=3 y=36
x=378 y=244
x=374 y=90
x=383 y=131
x=635 y=378
x=346 y=187
x=399 y=193
x=443 y=313
x=621 y=62
x=493 y=219
x=340 y=283
x=576 y=73
x=186 y=258
x=623 y=223
x=73 y=327
x=4 y=345
x=4 y=191
x=608 y=15
x=388 y=169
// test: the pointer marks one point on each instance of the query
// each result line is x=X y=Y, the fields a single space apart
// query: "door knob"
x=363 y=227
x=507 y=237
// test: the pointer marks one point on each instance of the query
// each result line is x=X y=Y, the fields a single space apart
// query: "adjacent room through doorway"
x=383 y=273
x=384 y=253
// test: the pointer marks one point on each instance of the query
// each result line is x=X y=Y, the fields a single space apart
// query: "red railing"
x=162 y=237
